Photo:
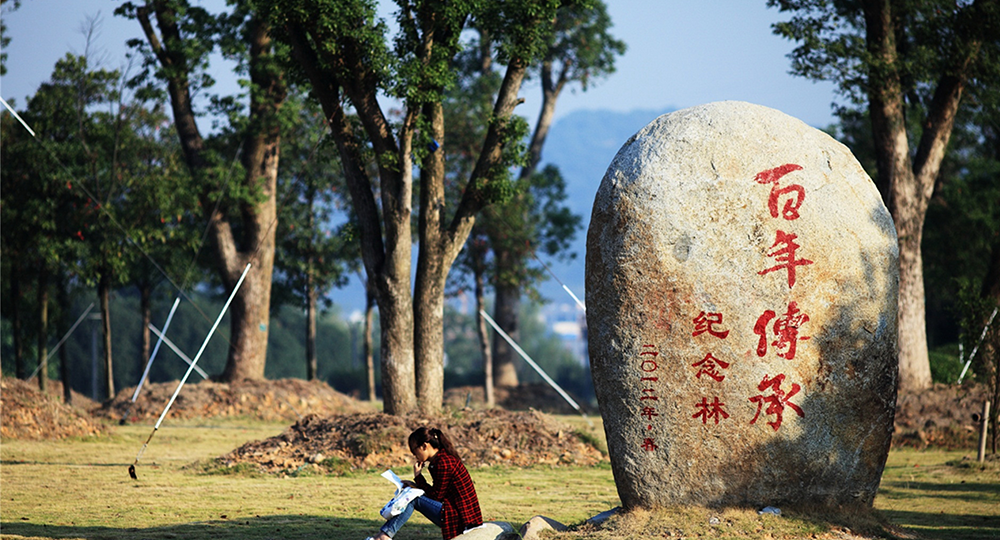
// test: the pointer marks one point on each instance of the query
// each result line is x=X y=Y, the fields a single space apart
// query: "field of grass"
x=81 y=489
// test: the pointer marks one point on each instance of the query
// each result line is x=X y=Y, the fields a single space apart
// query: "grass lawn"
x=81 y=489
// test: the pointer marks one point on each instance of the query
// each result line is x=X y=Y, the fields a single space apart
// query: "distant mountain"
x=582 y=144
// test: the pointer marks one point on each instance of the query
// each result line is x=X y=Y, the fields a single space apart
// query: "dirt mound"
x=940 y=416
x=281 y=399
x=537 y=396
x=27 y=413
x=336 y=444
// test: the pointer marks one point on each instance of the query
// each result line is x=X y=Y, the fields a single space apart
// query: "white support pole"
x=532 y=363
x=149 y=363
x=177 y=351
x=578 y=302
x=187 y=374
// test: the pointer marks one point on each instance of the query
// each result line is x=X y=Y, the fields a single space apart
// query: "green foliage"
x=945 y=364
x=311 y=251
x=581 y=44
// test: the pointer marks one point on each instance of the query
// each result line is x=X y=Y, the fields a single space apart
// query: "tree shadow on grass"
x=284 y=527
x=945 y=526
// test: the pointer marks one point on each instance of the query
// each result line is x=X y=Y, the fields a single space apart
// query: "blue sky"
x=681 y=53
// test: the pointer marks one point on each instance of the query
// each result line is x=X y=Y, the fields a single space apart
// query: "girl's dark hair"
x=435 y=437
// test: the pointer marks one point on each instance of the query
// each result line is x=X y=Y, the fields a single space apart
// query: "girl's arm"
x=442 y=474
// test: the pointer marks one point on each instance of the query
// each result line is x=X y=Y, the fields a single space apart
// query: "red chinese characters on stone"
x=707 y=322
x=710 y=366
x=777 y=401
x=707 y=410
x=648 y=366
x=794 y=194
x=783 y=251
x=785 y=330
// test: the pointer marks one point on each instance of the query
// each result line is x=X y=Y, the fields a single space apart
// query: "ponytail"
x=435 y=437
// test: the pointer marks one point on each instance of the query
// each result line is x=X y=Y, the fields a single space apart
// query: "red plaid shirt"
x=454 y=489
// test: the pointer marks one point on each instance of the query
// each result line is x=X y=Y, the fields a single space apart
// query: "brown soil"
x=281 y=399
x=540 y=396
x=27 y=413
x=940 y=417
x=377 y=440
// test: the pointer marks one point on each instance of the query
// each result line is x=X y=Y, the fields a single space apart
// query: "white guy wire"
x=64 y=338
x=532 y=363
x=178 y=352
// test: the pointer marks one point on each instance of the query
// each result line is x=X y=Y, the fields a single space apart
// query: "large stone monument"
x=741 y=310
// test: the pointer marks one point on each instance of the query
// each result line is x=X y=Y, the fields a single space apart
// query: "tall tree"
x=312 y=256
x=342 y=48
x=910 y=63
x=579 y=51
x=242 y=218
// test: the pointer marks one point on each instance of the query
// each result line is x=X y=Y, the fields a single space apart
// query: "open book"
x=404 y=495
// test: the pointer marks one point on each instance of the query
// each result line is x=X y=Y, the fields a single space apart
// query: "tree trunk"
x=432 y=270
x=508 y=295
x=104 y=293
x=249 y=311
x=146 y=314
x=484 y=341
x=505 y=314
x=43 y=327
x=64 y=326
x=908 y=183
x=311 y=365
x=15 y=319
x=368 y=349
x=250 y=316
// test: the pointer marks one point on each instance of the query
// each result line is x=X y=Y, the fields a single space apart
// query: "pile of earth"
x=270 y=400
x=27 y=413
x=524 y=397
x=337 y=444
x=941 y=417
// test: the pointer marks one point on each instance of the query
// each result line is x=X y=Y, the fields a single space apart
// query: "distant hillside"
x=582 y=144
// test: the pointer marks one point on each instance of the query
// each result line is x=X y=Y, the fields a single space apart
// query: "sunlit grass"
x=81 y=489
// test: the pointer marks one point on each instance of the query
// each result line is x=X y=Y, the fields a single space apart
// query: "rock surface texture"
x=741 y=310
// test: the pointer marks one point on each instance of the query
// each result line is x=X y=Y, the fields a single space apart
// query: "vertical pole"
x=984 y=424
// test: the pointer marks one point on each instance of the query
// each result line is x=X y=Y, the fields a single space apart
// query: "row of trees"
x=108 y=192
x=339 y=54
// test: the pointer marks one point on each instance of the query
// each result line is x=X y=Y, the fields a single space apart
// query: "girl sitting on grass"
x=451 y=502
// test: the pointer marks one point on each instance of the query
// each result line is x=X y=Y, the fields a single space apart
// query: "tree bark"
x=146 y=314
x=311 y=364
x=104 y=294
x=506 y=311
x=368 y=349
x=15 y=319
x=484 y=340
x=432 y=270
x=64 y=326
x=385 y=233
x=249 y=311
x=908 y=184
x=43 y=327
x=505 y=314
